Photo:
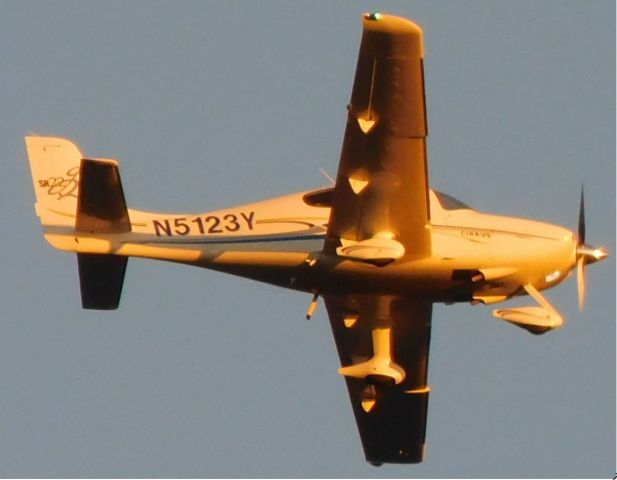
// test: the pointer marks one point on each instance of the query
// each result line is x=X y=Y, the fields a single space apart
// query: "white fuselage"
x=279 y=241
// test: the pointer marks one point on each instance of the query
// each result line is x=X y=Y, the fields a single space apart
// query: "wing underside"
x=381 y=190
x=380 y=214
x=391 y=418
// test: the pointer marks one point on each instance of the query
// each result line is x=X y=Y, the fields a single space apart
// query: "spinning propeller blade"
x=584 y=253
x=581 y=219
x=580 y=282
x=580 y=262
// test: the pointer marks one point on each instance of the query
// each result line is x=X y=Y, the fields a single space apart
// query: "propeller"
x=584 y=253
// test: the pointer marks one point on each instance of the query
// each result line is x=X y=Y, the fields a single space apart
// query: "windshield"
x=448 y=202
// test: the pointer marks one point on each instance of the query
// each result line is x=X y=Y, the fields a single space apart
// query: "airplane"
x=379 y=246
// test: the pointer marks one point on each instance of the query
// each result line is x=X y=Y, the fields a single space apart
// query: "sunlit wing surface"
x=391 y=418
x=381 y=190
x=380 y=213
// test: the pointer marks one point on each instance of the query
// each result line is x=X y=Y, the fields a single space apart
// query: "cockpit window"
x=450 y=203
x=323 y=198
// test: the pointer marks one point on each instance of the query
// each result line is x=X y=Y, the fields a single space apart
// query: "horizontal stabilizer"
x=101 y=278
x=101 y=207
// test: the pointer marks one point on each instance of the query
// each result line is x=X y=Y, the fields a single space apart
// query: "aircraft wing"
x=391 y=419
x=381 y=190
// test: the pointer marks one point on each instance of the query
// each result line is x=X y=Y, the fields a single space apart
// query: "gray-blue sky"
x=208 y=104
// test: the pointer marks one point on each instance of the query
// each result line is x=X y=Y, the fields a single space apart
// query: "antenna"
x=328 y=177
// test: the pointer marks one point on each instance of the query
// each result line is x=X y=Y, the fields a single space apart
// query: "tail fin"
x=101 y=208
x=54 y=163
x=77 y=196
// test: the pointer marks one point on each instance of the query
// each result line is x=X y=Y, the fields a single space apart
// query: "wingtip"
x=391 y=23
x=407 y=34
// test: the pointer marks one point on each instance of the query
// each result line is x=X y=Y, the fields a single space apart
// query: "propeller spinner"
x=584 y=253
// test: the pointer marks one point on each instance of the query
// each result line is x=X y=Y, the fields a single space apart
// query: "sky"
x=214 y=104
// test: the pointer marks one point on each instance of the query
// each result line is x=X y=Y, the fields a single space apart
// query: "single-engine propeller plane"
x=380 y=247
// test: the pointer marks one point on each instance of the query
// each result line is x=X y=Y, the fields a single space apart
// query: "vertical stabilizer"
x=54 y=163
